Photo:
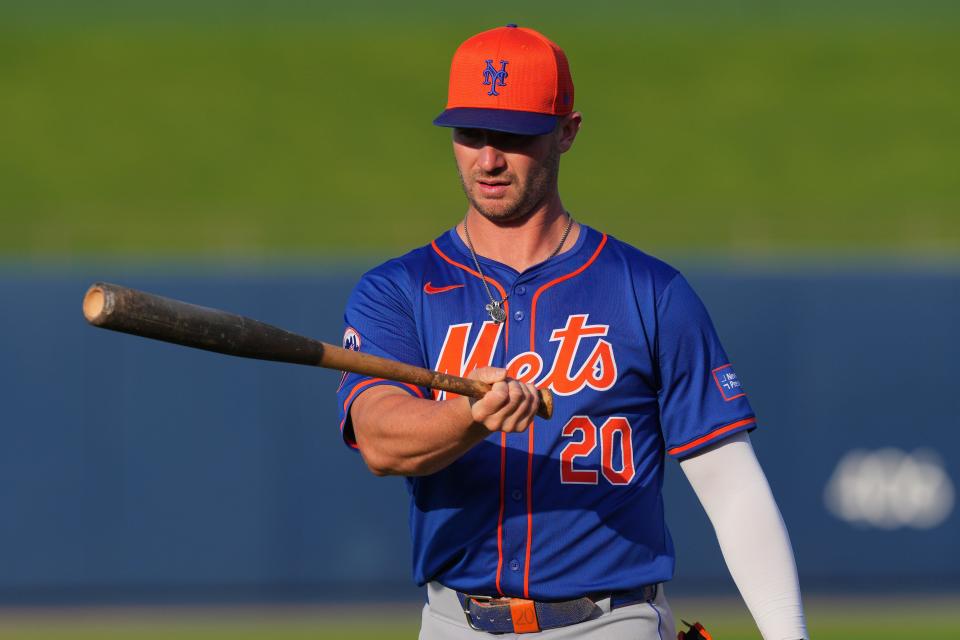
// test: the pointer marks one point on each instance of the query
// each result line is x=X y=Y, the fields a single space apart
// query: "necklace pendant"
x=496 y=311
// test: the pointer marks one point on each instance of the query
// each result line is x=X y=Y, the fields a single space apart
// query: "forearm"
x=398 y=434
x=734 y=492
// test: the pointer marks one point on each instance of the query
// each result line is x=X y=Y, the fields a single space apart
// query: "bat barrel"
x=117 y=308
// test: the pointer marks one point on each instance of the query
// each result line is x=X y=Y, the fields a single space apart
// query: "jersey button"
x=514 y=565
x=517 y=495
x=518 y=316
x=520 y=290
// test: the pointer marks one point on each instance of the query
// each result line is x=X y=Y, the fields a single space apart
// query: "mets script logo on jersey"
x=494 y=78
x=598 y=371
x=728 y=383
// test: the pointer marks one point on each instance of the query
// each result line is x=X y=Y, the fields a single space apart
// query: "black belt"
x=516 y=615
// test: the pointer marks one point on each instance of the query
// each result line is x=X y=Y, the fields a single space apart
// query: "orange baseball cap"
x=508 y=79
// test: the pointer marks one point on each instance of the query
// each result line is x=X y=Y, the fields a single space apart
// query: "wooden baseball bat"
x=111 y=306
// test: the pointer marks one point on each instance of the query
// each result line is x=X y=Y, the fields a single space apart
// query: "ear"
x=567 y=130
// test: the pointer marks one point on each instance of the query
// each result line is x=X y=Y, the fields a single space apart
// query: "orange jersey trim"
x=713 y=435
x=359 y=387
x=536 y=296
x=503 y=474
x=416 y=391
x=500 y=289
x=533 y=331
x=526 y=568
x=503 y=436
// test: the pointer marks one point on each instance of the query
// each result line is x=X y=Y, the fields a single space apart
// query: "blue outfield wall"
x=136 y=470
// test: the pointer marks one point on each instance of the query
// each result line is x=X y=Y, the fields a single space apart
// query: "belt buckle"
x=483 y=601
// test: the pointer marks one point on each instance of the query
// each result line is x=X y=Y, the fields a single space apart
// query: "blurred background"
x=799 y=161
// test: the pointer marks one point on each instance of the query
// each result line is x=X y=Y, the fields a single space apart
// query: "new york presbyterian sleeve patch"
x=728 y=383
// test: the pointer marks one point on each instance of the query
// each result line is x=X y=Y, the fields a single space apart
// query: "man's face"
x=506 y=176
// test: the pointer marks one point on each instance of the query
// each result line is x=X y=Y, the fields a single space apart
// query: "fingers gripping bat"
x=144 y=314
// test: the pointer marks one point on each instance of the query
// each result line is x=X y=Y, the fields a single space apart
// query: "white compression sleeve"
x=733 y=490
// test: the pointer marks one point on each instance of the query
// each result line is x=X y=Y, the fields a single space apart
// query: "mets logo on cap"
x=493 y=77
x=539 y=92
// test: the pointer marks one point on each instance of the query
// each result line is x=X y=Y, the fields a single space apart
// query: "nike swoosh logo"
x=430 y=289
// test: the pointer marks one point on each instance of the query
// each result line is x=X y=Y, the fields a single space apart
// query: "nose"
x=491 y=158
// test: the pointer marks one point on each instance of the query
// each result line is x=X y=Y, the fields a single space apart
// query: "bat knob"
x=546 y=404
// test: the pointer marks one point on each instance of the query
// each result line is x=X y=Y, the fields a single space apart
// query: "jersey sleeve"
x=380 y=321
x=702 y=400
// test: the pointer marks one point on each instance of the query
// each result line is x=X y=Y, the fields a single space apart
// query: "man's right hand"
x=509 y=406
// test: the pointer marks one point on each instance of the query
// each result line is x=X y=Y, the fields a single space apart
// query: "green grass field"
x=841 y=618
x=146 y=130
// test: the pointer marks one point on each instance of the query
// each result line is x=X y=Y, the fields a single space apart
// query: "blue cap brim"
x=521 y=122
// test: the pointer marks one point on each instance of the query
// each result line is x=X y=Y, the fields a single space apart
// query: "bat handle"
x=477 y=389
x=545 y=410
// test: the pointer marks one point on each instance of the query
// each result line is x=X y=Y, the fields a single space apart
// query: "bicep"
x=369 y=408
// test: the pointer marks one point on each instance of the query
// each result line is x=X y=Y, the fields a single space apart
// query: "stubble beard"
x=538 y=187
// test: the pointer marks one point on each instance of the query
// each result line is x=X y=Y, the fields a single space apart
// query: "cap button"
x=512 y=25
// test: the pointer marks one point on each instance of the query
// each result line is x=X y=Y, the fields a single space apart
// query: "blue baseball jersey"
x=573 y=505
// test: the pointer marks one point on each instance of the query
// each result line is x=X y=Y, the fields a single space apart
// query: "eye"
x=469 y=137
x=514 y=140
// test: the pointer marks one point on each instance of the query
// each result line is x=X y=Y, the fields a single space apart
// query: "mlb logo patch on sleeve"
x=728 y=383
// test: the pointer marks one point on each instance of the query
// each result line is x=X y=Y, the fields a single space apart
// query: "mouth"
x=493 y=187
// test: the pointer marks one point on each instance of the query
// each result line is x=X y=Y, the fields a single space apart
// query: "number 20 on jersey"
x=616 y=451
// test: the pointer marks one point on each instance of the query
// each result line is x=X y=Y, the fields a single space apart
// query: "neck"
x=521 y=244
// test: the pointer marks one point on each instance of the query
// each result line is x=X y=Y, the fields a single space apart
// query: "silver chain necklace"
x=495 y=308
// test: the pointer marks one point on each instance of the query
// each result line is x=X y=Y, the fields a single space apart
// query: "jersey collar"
x=586 y=243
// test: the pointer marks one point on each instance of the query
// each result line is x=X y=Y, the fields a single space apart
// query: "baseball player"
x=552 y=527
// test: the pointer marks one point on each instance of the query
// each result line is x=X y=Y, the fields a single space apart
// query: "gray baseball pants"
x=443 y=619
